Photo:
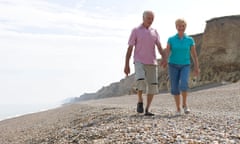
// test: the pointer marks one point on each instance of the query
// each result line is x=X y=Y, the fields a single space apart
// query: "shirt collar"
x=143 y=27
x=184 y=36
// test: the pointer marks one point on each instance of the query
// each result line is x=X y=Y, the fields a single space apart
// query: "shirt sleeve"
x=158 y=38
x=169 y=41
x=133 y=38
x=192 y=42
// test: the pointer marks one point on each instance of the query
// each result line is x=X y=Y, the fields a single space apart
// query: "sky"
x=56 y=49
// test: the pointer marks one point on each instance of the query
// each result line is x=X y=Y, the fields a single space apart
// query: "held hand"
x=163 y=63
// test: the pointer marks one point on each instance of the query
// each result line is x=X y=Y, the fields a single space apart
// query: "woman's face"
x=181 y=28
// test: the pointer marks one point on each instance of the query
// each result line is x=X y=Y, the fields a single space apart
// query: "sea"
x=8 y=111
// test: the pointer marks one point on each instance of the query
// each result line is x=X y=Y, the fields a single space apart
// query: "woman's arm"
x=167 y=51
x=195 y=60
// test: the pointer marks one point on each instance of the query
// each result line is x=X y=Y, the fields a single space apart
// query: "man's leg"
x=152 y=86
x=140 y=84
x=139 y=93
x=151 y=90
x=149 y=101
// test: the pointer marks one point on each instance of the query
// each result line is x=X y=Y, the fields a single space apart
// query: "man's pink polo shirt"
x=144 y=41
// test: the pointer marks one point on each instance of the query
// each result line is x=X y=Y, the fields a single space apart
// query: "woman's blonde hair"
x=180 y=21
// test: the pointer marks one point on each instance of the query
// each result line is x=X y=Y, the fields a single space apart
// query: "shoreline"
x=17 y=110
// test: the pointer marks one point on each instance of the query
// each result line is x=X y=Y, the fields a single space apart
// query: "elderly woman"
x=180 y=48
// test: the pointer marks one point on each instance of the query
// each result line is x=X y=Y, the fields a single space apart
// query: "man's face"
x=148 y=19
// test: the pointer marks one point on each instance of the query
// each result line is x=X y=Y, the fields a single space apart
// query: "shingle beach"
x=214 y=118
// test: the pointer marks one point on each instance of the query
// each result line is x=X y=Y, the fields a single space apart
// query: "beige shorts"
x=146 y=78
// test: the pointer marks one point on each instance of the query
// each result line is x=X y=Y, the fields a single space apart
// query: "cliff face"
x=219 y=59
x=220 y=50
x=125 y=86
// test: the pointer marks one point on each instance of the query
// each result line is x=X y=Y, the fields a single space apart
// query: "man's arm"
x=128 y=56
x=162 y=53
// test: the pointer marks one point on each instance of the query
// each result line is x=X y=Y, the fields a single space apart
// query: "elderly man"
x=144 y=39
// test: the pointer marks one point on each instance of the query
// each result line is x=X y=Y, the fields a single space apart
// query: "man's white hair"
x=145 y=13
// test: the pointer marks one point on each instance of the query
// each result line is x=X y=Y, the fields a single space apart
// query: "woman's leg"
x=184 y=78
x=177 y=102
x=174 y=75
